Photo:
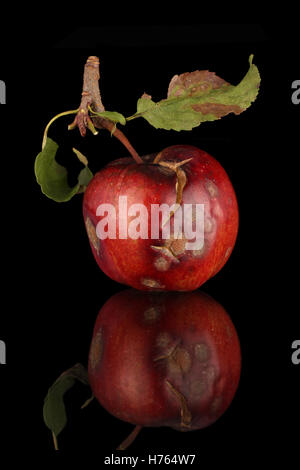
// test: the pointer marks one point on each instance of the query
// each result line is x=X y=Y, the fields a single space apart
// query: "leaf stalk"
x=65 y=113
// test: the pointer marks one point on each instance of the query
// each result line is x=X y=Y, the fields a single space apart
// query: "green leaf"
x=197 y=97
x=53 y=177
x=112 y=116
x=54 y=411
x=82 y=158
x=85 y=176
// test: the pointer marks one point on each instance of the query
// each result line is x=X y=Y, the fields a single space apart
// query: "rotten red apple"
x=133 y=248
x=164 y=359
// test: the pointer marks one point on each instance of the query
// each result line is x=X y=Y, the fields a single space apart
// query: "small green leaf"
x=197 y=97
x=112 y=116
x=53 y=177
x=85 y=176
x=82 y=158
x=54 y=411
x=78 y=372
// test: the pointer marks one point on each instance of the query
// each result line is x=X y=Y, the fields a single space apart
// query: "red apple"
x=162 y=263
x=164 y=359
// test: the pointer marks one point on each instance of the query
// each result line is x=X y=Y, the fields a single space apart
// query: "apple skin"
x=164 y=359
x=135 y=262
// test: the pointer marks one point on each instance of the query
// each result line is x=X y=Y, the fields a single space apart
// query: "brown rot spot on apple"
x=209 y=374
x=201 y=352
x=209 y=224
x=162 y=264
x=198 y=387
x=176 y=245
x=211 y=188
x=182 y=359
x=202 y=382
x=216 y=405
x=91 y=231
x=166 y=350
x=96 y=349
x=176 y=357
x=163 y=339
x=229 y=332
x=151 y=315
x=166 y=251
x=199 y=252
x=217 y=211
x=152 y=283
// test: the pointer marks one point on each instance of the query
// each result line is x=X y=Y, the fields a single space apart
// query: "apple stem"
x=91 y=98
x=129 y=440
x=109 y=125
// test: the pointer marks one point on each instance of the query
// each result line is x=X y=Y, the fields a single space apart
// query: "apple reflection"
x=164 y=359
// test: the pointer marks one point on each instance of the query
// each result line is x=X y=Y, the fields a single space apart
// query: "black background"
x=53 y=288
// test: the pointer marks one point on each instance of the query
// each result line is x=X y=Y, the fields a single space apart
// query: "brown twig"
x=129 y=440
x=91 y=98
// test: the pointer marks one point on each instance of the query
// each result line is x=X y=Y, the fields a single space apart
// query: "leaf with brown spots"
x=197 y=97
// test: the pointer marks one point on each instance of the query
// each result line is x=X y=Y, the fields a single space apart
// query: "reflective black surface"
x=53 y=287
